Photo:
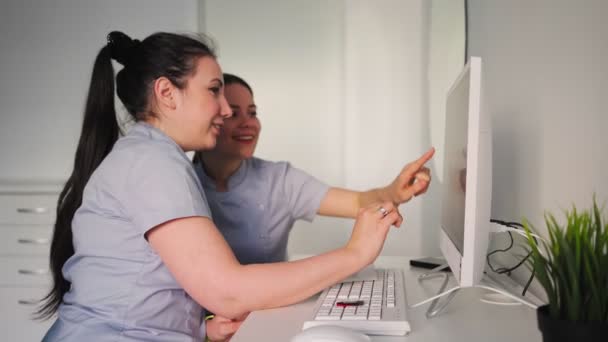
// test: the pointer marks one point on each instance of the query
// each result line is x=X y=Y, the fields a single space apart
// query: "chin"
x=208 y=145
x=246 y=154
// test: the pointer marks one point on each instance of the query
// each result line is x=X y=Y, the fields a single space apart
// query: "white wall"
x=545 y=80
x=446 y=57
x=47 y=54
x=385 y=108
x=341 y=88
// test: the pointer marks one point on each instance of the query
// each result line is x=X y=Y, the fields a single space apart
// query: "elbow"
x=233 y=309
x=229 y=301
x=228 y=307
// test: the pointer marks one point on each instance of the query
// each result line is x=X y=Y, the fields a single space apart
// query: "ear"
x=165 y=93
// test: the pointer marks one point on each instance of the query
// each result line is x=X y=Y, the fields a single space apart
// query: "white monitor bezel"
x=468 y=267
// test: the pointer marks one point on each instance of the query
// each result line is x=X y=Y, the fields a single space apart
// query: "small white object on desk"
x=330 y=333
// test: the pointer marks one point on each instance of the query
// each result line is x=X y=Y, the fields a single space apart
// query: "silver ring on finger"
x=383 y=211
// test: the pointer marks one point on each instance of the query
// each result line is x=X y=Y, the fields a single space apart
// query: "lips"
x=217 y=127
x=243 y=138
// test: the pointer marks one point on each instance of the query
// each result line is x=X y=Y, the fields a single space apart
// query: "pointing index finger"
x=419 y=163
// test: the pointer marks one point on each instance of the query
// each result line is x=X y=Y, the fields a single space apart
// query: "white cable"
x=499 y=228
x=487 y=298
x=505 y=293
x=524 y=234
x=517 y=231
x=435 y=297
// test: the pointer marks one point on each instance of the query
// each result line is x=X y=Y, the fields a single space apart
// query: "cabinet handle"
x=28 y=302
x=35 y=241
x=37 y=210
x=39 y=271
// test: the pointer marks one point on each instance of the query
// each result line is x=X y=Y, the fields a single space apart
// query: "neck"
x=158 y=124
x=219 y=169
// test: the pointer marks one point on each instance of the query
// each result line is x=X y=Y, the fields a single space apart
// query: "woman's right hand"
x=221 y=329
x=371 y=229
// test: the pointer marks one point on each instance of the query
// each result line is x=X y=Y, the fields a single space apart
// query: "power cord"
x=512 y=227
x=500 y=270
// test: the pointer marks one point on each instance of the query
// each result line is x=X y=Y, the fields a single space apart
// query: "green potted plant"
x=572 y=268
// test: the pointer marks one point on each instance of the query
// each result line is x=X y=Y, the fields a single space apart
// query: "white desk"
x=466 y=318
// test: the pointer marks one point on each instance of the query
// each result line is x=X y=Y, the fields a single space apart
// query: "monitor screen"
x=467 y=178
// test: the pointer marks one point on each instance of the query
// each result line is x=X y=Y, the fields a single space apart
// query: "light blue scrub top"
x=121 y=290
x=263 y=201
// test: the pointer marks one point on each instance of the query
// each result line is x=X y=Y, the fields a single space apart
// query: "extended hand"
x=371 y=227
x=413 y=180
x=221 y=328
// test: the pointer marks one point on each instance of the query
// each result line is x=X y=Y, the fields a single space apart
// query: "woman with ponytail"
x=135 y=253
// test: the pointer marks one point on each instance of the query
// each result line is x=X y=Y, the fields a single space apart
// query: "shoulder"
x=141 y=149
x=134 y=161
x=278 y=172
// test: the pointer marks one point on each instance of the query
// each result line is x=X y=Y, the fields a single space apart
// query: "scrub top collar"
x=234 y=181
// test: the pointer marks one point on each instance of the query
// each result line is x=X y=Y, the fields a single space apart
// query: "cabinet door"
x=27 y=208
x=17 y=306
x=25 y=240
x=25 y=271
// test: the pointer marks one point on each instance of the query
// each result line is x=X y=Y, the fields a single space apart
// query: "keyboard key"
x=345 y=290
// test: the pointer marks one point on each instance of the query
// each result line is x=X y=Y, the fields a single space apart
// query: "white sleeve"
x=303 y=192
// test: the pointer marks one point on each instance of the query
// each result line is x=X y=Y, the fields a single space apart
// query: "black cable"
x=502 y=270
x=523 y=293
x=507 y=223
x=510 y=224
x=513 y=268
x=499 y=250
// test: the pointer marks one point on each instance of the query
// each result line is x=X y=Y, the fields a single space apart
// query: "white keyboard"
x=374 y=305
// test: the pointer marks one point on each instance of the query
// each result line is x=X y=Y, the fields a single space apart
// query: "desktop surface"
x=466 y=318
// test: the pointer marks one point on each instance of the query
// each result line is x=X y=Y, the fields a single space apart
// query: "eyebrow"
x=249 y=107
x=218 y=80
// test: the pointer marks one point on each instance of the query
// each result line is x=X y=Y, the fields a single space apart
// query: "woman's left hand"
x=221 y=328
x=413 y=180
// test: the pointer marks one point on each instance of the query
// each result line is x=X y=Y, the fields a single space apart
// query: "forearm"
x=378 y=195
x=413 y=180
x=263 y=286
x=346 y=203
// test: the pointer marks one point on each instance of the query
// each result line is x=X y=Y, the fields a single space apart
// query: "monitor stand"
x=438 y=305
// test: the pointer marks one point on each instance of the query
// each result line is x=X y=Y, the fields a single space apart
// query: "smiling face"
x=239 y=135
x=202 y=106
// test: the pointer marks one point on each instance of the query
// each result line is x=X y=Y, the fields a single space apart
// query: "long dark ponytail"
x=161 y=54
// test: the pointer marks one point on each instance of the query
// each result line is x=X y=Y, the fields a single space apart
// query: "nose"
x=248 y=120
x=225 y=110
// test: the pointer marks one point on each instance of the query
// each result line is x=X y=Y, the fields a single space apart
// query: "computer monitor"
x=467 y=178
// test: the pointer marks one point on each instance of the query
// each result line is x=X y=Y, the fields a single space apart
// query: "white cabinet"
x=27 y=215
